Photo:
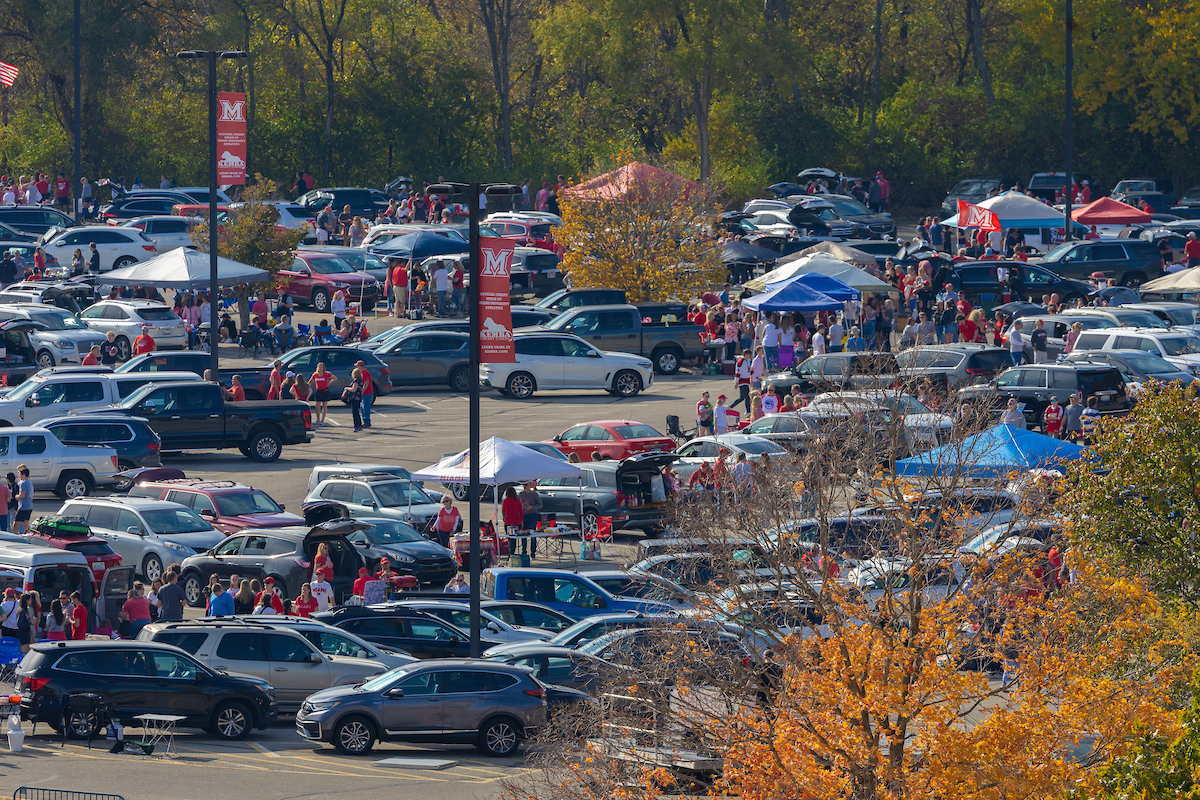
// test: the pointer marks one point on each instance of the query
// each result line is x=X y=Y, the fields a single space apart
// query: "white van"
x=52 y=393
x=50 y=571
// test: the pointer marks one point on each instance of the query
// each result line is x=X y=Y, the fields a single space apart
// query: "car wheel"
x=1132 y=280
x=124 y=484
x=354 y=736
x=73 y=485
x=459 y=490
x=193 y=592
x=152 y=567
x=627 y=383
x=245 y=451
x=520 y=385
x=231 y=721
x=265 y=446
x=320 y=301
x=82 y=724
x=460 y=380
x=589 y=521
x=666 y=361
x=499 y=737
x=124 y=351
x=124 y=261
x=45 y=358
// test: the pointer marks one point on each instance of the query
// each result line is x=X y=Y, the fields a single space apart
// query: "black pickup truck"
x=196 y=416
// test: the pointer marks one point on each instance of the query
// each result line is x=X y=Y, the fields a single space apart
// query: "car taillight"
x=539 y=693
x=306 y=564
x=35 y=683
x=114 y=460
x=383 y=370
x=154 y=446
x=977 y=371
x=307 y=419
x=620 y=497
x=149 y=247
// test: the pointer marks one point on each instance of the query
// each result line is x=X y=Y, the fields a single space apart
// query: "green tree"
x=250 y=234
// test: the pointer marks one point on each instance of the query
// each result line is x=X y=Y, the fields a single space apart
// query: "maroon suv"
x=315 y=277
x=228 y=505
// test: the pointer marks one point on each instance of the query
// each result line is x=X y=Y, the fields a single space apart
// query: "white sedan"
x=726 y=446
x=547 y=360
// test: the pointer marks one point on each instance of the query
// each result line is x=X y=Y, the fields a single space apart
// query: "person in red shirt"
x=1149 y=209
x=1052 y=418
x=235 y=392
x=368 y=393
x=322 y=562
x=274 y=393
x=448 y=520
x=1191 y=250
x=360 y=583
x=1020 y=255
x=79 y=616
x=512 y=511
x=1091 y=234
x=269 y=592
x=62 y=191
x=962 y=255
x=399 y=278
x=305 y=604
x=143 y=343
x=966 y=329
x=93 y=356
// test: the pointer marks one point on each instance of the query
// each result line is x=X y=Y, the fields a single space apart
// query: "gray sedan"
x=428 y=357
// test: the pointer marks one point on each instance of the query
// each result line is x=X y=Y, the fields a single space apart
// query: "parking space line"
x=420 y=405
x=263 y=750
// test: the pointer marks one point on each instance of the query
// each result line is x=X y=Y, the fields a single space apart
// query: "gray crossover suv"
x=458 y=701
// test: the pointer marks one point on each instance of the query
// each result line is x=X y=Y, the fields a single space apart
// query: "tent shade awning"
x=500 y=462
x=183 y=268
x=1016 y=210
x=423 y=244
x=794 y=297
x=822 y=264
x=991 y=454
x=1107 y=211
x=633 y=181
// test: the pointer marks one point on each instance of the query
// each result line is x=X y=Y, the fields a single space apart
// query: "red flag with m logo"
x=973 y=216
x=495 y=310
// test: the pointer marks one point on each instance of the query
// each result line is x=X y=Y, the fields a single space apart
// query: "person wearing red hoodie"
x=269 y=591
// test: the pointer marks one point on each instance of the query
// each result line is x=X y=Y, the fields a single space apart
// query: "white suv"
x=560 y=361
x=118 y=247
x=126 y=318
x=167 y=231
x=64 y=340
x=1179 y=347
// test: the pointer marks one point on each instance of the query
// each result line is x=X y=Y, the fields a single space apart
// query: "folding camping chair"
x=603 y=533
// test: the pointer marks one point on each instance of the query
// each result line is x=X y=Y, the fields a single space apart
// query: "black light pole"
x=473 y=191
x=212 y=56
x=78 y=123
x=1068 y=127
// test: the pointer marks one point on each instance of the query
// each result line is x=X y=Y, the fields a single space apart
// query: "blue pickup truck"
x=574 y=595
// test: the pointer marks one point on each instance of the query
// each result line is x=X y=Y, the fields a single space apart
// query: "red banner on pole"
x=495 y=310
x=231 y=138
x=973 y=216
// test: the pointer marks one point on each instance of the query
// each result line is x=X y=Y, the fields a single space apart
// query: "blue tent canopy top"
x=991 y=454
x=828 y=285
x=794 y=297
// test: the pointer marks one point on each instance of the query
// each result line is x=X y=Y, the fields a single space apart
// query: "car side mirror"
x=598 y=602
x=316 y=658
x=208 y=513
x=135 y=530
x=148 y=407
x=362 y=543
x=395 y=693
x=558 y=438
x=363 y=654
x=493 y=627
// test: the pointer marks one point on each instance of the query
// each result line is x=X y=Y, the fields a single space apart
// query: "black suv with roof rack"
x=1033 y=386
x=952 y=366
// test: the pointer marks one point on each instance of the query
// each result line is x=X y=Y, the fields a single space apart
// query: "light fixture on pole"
x=213 y=297
x=474 y=191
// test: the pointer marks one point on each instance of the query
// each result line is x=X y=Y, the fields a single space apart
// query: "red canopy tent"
x=1107 y=211
x=632 y=181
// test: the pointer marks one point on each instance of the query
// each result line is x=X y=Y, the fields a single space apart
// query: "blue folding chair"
x=10 y=657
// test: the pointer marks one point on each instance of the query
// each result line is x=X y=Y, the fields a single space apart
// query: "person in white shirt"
x=441 y=284
x=1016 y=342
x=32 y=195
x=818 y=341
x=770 y=400
x=10 y=197
x=995 y=241
x=322 y=591
x=835 y=337
x=770 y=340
x=721 y=416
x=758 y=366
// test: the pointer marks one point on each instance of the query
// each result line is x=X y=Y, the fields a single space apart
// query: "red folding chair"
x=603 y=533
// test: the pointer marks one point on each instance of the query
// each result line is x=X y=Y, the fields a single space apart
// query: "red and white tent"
x=1107 y=211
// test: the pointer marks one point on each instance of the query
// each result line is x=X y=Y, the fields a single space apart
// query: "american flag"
x=8 y=73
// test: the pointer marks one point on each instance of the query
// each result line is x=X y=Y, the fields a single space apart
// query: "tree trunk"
x=875 y=78
x=702 y=95
x=975 y=21
x=327 y=165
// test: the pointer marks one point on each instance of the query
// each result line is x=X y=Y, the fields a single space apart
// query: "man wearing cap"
x=399 y=277
x=360 y=583
x=143 y=343
x=720 y=416
x=322 y=590
x=1191 y=250
x=385 y=574
x=368 y=393
x=269 y=592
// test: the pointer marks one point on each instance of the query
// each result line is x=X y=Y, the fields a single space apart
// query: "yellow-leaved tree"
x=641 y=229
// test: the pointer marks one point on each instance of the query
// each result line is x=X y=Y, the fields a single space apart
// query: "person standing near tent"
x=1013 y=415
x=1191 y=250
x=741 y=380
x=1052 y=419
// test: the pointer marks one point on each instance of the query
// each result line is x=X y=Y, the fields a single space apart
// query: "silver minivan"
x=50 y=571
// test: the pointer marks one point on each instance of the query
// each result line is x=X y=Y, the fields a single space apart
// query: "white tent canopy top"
x=183 y=268
x=1017 y=210
x=500 y=462
x=824 y=264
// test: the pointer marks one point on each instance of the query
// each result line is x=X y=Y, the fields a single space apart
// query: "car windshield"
x=175 y=520
x=157 y=314
x=638 y=431
x=849 y=208
x=393 y=533
x=1047 y=181
x=1151 y=364
x=1180 y=345
x=329 y=265
x=234 y=505
x=757 y=448
x=400 y=493
x=549 y=300
x=1058 y=252
x=381 y=682
x=299 y=212
x=546 y=450
x=58 y=320
x=24 y=390
x=1184 y=316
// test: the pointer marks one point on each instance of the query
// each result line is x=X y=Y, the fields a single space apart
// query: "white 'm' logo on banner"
x=495 y=264
x=233 y=111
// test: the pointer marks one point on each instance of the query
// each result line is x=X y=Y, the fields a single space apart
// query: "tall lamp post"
x=473 y=192
x=75 y=188
x=213 y=295
x=1069 y=120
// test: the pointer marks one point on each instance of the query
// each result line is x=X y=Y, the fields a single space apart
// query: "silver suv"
x=284 y=658
x=456 y=701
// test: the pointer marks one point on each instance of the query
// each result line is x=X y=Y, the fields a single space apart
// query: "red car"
x=315 y=277
x=612 y=438
x=72 y=533
x=228 y=505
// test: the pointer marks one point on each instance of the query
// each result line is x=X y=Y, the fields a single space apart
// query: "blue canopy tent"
x=794 y=297
x=422 y=244
x=991 y=454
x=828 y=286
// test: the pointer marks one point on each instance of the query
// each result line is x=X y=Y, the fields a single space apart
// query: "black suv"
x=35 y=220
x=835 y=372
x=414 y=632
x=139 y=678
x=284 y=554
x=570 y=298
x=952 y=365
x=174 y=361
x=136 y=443
x=1128 y=262
x=618 y=489
x=130 y=206
x=980 y=282
x=1034 y=385
x=361 y=201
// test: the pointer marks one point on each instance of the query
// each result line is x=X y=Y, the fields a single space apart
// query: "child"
x=704 y=416
x=720 y=417
x=1052 y=418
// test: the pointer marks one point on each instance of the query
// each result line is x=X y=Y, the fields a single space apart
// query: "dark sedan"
x=429 y=357
x=131 y=206
x=408 y=552
x=303 y=361
x=867 y=224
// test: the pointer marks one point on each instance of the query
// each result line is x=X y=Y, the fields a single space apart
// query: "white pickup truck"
x=54 y=392
x=69 y=471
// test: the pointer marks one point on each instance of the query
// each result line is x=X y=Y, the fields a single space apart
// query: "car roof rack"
x=216 y=622
x=198 y=483
x=366 y=476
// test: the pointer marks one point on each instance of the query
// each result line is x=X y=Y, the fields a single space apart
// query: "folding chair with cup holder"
x=10 y=657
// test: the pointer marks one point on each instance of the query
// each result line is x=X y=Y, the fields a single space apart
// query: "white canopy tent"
x=183 y=268
x=1017 y=210
x=1181 y=282
x=823 y=264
